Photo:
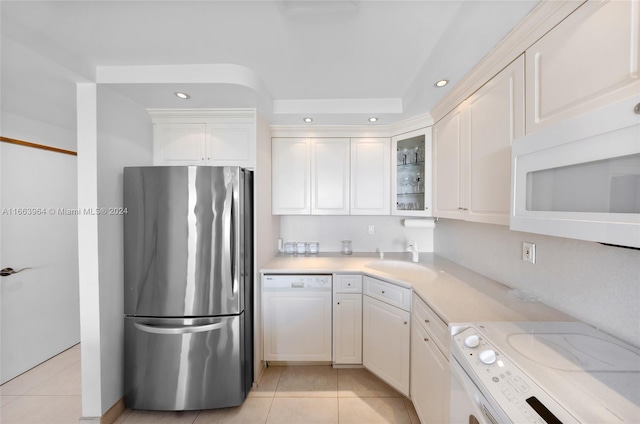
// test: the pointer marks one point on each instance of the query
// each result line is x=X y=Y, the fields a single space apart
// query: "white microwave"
x=581 y=179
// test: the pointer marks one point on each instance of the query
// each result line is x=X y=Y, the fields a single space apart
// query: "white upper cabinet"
x=589 y=60
x=411 y=173
x=447 y=155
x=179 y=144
x=472 y=150
x=370 y=176
x=331 y=176
x=291 y=176
x=212 y=137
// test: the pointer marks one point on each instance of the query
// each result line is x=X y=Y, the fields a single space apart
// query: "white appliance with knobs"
x=543 y=372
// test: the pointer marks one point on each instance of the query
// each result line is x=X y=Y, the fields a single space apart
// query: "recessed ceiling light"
x=442 y=83
x=373 y=119
x=182 y=95
x=307 y=120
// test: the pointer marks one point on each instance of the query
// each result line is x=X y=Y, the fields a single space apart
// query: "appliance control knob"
x=472 y=341
x=487 y=357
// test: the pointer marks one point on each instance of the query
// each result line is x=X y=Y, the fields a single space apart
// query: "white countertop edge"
x=456 y=294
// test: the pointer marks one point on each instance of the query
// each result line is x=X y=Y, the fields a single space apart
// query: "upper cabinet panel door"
x=330 y=176
x=496 y=118
x=370 y=176
x=291 y=176
x=231 y=144
x=589 y=60
x=411 y=173
x=179 y=144
x=447 y=155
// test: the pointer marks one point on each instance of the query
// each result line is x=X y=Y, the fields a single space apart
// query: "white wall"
x=125 y=138
x=267 y=228
x=389 y=233
x=597 y=284
x=113 y=132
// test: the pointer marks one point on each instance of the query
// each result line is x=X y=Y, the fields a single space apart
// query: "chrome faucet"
x=413 y=248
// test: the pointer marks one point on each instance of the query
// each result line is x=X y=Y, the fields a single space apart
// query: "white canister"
x=313 y=247
x=301 y=248
x=346 y=247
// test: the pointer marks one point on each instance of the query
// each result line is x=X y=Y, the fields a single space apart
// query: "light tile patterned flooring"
x=50 y=394
x=47 y=394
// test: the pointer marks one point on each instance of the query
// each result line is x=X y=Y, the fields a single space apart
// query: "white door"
x=386 y=343
x=330 y=176
x=370 y=176
x=39 y=312
x=290 y=179
x=179 y=144
x=429 y=377
x=347 y=328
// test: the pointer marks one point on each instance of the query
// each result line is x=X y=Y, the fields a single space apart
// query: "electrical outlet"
x=529 y=252
x=372 y=229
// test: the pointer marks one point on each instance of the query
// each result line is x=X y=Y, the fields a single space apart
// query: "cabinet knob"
x=382 y=291
x=426 y=339
x=637 y=109
x=427 y=321
x=405 y=323
x=338 y=303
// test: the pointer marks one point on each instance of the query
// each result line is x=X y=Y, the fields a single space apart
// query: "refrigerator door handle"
x=230 y=264
x=182 y=329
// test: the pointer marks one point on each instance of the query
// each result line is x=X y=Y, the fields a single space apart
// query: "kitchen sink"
x=402 y=270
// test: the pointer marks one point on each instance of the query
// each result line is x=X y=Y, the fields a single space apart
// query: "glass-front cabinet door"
x=411 y=173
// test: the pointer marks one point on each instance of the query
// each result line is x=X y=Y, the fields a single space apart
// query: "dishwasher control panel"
x=293 y=282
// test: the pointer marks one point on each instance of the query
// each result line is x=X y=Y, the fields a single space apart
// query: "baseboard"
x=113 y=413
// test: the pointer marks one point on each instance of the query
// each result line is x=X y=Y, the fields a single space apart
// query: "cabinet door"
x=330 y=176
x=347 y=328
x=179 y=144
x=589 y=60
x=447 y=154
x=370 y=176
x=411 y=174
x=385 y=342
x=429 y=377
x=231 y=144
x=291 y=176
x=495 y=118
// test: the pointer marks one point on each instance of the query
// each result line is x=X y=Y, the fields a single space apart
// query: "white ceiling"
x=313 y=58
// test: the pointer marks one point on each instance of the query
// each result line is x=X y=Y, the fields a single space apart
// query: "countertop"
x=455 y=293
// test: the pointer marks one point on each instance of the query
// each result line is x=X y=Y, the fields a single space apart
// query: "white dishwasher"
x=296 y=317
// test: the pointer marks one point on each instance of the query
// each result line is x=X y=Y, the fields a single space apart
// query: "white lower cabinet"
x=347 y=328
x=347 y=319
x=429 y=367
x=386 y=342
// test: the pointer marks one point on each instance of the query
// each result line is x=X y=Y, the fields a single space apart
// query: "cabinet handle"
x=427 y=321
x=426 y=339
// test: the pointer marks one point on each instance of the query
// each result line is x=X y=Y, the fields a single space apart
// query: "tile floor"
x=47 y=394
x=50 y=394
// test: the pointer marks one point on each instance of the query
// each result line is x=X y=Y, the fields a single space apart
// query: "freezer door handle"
x=180 y=329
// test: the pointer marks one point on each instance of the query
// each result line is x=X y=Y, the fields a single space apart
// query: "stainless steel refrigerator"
x=188 y=275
